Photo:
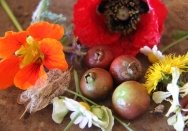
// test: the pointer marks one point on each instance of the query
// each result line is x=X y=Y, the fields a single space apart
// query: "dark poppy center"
x=122 y=15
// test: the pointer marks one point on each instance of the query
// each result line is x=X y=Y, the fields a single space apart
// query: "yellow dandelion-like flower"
x=158 y=71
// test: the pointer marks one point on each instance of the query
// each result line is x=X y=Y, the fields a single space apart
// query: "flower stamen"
x=122 y=15
x=29 y=52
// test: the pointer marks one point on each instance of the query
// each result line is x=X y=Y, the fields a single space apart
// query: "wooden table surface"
x=10 y=111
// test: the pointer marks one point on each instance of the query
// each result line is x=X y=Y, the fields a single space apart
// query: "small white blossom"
x=177 y=121
x=84 y=116
x=184 y=90
x=154 y=51
x=159 y=96
x=173 y=88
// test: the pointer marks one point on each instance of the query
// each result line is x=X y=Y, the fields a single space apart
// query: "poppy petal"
x=160 y=11
x=28 y=75
x=8 y=68
x=91 y=29
x=42 y=30
x=53 y=54
x=11 y=42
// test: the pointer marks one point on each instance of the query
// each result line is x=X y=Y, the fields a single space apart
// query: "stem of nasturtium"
x=71 y=122
x=174 y=43
x=93 y=103
x=11 y=15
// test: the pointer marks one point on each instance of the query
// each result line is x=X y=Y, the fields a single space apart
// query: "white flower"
x=83 y=115
x=80 y=115
x=177 y=121
x=159 y=96
x=153 y=54
x=59 y=110
x=184 y=90
x=172 y=90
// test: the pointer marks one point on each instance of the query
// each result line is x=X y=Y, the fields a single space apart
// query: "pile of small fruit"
x=130 y=98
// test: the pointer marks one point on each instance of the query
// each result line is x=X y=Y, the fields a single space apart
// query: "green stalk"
x=93 y=103
x=174 y=43
x=123 y=124
x=77 y=84
x=71 y=122
x=10 y=14
x=82 y=97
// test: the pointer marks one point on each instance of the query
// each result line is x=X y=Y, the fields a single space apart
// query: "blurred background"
x=10 y=111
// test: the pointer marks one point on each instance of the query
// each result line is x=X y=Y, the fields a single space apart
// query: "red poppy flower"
x=25 y=54
x=124 y=25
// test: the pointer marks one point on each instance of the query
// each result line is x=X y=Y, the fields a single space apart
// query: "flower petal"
x=180 y=124
x=72 y=105
x=160 y=96
x=91 y=29
x=160 y=11
x=42 y=30
x=84 y=122
x=145 y=50
x=8 y=68
x=11 y=42
x=78 y=120
x=73 y=115
x=53 y=54
x=28 y=75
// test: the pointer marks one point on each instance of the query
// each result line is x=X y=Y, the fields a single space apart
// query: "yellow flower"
x=159 y=71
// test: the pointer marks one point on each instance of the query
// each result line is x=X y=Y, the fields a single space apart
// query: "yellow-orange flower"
x=25 y=55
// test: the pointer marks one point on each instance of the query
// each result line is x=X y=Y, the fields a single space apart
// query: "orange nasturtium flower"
x=25 y=55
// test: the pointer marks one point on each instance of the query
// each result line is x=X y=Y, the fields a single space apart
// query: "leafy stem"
x=11 y=15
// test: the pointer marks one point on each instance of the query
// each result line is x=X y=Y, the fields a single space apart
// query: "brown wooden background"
x=10 y=111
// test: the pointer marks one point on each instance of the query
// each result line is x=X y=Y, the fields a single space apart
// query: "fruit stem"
x=10 y=14
x=71 y=122
x=95 y=104
x=174 y=43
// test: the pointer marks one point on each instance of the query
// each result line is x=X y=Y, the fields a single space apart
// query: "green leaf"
x=42 y=13
x=55 y=18
x=42 y=7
